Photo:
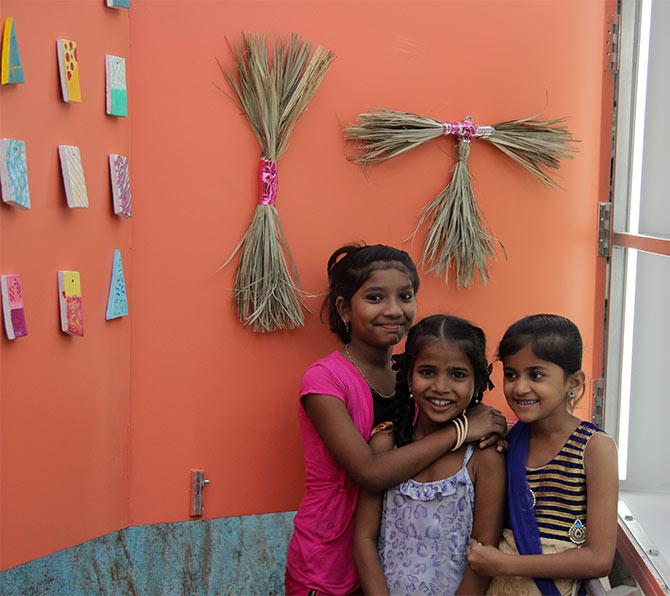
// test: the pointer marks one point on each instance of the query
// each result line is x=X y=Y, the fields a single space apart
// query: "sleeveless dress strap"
x=469 y=450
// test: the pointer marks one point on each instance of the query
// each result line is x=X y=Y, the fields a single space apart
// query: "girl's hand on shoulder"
x=487 y=426
x=485 y=559
x=382 y=438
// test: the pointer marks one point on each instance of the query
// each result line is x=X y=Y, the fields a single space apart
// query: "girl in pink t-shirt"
x=370 y=305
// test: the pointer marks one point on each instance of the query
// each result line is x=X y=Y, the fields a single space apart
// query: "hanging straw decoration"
x=273 y=87
x=456 y=237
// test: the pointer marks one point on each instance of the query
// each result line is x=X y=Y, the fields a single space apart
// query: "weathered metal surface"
x=198 y=484
x=238 y=555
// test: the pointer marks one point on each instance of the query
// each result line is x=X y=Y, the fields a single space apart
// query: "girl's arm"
x=490 y=482
x=377 y=471
x=594 y=558
x=366 y=532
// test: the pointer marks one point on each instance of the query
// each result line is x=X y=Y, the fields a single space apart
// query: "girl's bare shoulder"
x=600 y=448
x=486 y=463
x=489 y=457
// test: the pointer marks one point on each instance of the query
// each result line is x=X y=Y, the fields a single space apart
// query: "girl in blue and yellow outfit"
x=556 y=536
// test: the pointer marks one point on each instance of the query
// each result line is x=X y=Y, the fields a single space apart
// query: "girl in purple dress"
x=413 y=538
x=370 y=305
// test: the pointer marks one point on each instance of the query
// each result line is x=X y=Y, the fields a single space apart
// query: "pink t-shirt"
x=319 y=553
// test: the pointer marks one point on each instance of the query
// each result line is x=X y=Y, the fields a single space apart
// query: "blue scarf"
x=520 y=504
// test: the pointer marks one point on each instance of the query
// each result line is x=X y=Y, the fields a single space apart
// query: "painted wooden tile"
x=69 y=70
x=117 y=304
x=118 y=3
x=73 y=176
x=118 y=170
x=14 y=173
x=117 y=94
x=69 y=296
x=12 y=306
x=11 y=68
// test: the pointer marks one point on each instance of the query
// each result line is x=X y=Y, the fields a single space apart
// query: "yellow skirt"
x=525 y=586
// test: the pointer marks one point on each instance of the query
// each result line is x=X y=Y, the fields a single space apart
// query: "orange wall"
x=65 y=400
x=205 y=392
x=208 y=393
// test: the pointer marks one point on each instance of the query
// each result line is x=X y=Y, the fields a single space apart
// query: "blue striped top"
x=560 y=487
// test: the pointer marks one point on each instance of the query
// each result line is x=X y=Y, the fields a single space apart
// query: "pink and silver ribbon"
x=466 y=130
x=268 y=178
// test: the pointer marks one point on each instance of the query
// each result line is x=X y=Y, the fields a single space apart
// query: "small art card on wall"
x=117 y=304
x=117 y=94
x=11 y=68
x=68 y=65
x=118 y=170
x=73 y=176
x=14 y=173
x=12 y=306
x=118 y=3
x=69 y=296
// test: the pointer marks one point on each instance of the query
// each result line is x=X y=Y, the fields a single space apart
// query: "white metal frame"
x=626 y=242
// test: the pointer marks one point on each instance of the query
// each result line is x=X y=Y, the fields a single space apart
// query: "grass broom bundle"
x=456 y=236
x=272 y=86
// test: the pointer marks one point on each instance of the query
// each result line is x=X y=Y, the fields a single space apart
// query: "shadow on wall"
x=237 y=555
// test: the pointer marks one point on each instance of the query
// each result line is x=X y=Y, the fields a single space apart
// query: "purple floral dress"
x=425 y=531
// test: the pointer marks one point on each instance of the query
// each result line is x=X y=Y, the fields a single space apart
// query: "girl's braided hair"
x=435 y=328
x=348 y=269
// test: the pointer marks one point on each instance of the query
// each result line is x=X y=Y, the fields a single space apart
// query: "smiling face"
x=442 y=381
x=382 y=310
x=536 y=389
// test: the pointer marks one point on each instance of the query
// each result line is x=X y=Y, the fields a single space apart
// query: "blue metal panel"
x=237 y=555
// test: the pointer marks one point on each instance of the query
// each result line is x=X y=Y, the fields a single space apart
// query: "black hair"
x=472 y=341
x=550 y=337
x=348 y=269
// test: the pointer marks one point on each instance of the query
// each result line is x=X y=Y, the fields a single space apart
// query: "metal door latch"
x=198 y=484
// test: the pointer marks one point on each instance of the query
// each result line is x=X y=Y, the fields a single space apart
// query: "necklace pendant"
x=577 y=532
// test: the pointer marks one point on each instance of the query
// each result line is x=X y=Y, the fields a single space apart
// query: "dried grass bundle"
x=272 y=86
x=383 y=134
x=537 y=145
x=456 y=234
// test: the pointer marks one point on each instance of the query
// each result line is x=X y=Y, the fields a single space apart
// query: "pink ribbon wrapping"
x=466 y=129
x=268 y=179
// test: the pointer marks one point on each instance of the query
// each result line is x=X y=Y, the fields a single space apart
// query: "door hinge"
x=611 y=62
x=604 y=232
x=598 y=392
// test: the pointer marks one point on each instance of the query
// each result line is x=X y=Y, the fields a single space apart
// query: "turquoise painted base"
x=15 y=66
x=119 y=102
x=237 y=555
